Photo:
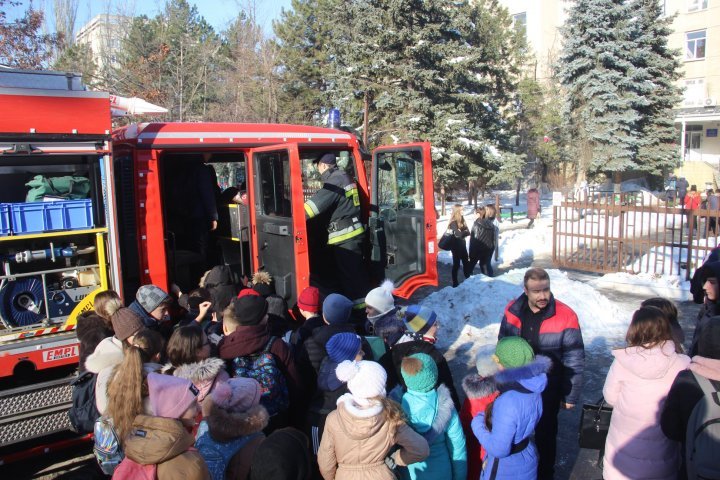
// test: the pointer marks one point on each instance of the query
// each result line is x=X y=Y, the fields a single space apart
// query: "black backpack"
x=84 y=412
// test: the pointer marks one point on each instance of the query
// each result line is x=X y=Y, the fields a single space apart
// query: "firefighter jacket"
x=339 y=197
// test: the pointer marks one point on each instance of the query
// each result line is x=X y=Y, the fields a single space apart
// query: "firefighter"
x=338 y=201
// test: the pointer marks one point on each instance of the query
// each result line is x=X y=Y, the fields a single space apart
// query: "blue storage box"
x=36 y=217
x=5 y=219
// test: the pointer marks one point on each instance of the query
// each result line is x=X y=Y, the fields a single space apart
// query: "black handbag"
x=594 y=425
x=446 y=241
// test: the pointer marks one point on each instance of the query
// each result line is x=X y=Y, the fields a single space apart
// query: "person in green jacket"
x=431 y=413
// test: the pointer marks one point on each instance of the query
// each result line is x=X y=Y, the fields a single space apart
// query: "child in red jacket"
x=480 y=392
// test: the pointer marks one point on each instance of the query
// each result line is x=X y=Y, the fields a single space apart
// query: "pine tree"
x=657 y=151
x=171 y=60
x=432 y=71
x=303 y=36
x=604 y=88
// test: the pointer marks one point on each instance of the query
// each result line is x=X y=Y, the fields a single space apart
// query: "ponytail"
x=126 y=392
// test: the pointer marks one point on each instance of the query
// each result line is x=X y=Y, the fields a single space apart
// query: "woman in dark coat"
x=460 y=230
x=482 y=240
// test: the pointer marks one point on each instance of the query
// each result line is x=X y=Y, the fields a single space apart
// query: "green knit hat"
x=513 y=352
x=419 y=372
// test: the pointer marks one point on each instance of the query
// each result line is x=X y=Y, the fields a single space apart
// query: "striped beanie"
x=419 y=319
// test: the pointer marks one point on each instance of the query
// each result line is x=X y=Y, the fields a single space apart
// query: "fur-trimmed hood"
x=204 y=374
x=225 y=426
x=108 y=353
x=429 y=413
x=199 y=371
x=532 y=376
x=477 y=386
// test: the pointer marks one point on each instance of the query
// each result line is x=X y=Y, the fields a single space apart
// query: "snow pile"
x=470 y=314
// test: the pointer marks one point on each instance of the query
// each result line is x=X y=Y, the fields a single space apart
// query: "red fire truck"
x=127 y=229
x=274 y=165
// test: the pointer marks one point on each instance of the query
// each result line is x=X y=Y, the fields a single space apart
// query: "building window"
x=695 y=5
x=694 y=92
x=520 y=23
x=695 y=45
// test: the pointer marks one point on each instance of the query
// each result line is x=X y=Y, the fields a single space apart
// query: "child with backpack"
x=691 y=414
x=361 y=433
x=431 y=413
x=252 y=353
x=506 y=426
x=127 y=398
x=160 y=446
x=636 y=386
x=125 y=387
x=232 y=429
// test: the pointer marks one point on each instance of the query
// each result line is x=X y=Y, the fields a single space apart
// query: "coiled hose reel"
x=21 y=302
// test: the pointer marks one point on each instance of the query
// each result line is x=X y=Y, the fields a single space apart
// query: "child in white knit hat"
x=366 y=422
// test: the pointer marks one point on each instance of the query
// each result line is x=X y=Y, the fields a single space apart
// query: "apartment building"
x=697 y=35
x=104 y=34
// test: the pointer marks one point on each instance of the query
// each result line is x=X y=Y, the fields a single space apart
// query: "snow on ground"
x=470 y=314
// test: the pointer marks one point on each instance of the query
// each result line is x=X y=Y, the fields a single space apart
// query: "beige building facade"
x=104 y=34
x=697 y=35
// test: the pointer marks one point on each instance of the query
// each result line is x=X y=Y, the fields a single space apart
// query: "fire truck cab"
x=271 y=166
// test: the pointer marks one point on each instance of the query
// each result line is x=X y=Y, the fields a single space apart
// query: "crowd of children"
x=232 y=391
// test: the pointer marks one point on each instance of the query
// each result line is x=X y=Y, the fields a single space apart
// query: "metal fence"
x=632 y=232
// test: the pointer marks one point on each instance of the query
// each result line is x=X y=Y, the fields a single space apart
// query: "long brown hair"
x=392 y=411
x=184 y=344
x=128 y=384
x=649 y=327
x=457 y=216
x=106 y=303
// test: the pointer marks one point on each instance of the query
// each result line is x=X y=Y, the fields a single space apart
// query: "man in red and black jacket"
x=552 y=329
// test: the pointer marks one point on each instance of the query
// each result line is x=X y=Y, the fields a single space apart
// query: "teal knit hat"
x=513 y=352
x=419 y=372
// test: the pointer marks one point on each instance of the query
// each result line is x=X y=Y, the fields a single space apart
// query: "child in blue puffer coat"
x=229 y=435
x=506 y=427
x=431 y=413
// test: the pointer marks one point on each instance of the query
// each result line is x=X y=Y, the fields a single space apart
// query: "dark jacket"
x=315 y=345
x=305 y=331
x=252 y=339
x=482 y=237
x=684 y=394
x=392 y=362
x=330 y=388
x=701 y=274
x=340 y=198
x=559 y=338
x=709 y=309
x=91 y=330
x=459 y=233
x=219 y=282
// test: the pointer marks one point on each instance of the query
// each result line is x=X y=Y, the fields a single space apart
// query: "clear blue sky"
x=218 y=13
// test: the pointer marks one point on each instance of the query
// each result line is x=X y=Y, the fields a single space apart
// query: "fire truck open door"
x=278 y=233
x=402 y=216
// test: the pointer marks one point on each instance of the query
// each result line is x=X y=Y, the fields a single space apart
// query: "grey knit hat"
x=150 y=297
